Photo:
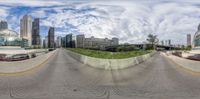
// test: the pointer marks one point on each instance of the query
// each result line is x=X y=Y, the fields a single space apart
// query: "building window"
x=197 y=41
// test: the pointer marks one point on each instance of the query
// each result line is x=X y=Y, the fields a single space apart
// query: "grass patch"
x=108 y=55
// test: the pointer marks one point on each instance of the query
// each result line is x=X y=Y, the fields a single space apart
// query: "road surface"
x=62 y=77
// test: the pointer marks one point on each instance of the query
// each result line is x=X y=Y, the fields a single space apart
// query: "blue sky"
x=129 y=20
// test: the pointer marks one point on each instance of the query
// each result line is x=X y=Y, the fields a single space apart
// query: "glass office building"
x=196 y=40
x=11 y=38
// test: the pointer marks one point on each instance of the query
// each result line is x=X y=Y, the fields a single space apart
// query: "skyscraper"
x=58 y=41
x=188 y=39
x=80 y=39
x=36 y=33
x=51 y=37
x=3 y=25
x=169 y=42
x=69 y=42
x=26 y=29
x=45 y=42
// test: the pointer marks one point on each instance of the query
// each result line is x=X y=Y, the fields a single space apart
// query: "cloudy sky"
x=131 y=20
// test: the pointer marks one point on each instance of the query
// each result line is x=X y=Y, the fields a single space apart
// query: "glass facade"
x=197 y=41
x=10 y=38
x=10 y=41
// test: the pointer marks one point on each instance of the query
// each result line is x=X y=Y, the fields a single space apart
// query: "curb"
x=182 y=67
x=109 y=64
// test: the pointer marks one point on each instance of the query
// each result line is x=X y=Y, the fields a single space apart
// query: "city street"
x=62 y=77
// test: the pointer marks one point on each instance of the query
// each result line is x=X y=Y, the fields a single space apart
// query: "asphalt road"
x=62 y=77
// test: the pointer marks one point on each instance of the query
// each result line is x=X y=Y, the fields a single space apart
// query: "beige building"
x=26 y=29
x=96 y=43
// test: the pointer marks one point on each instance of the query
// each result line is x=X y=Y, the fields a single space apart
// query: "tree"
x=189 y=47
x=125 y=48
x=152 y=39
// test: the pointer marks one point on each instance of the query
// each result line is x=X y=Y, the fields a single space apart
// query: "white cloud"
x=39 y=13
x=32 y=3
x=3 y=13
x=131 y=21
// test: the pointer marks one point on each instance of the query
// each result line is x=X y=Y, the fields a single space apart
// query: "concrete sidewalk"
x=185 y=63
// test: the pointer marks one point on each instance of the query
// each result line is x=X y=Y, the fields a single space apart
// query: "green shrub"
x=109 y=55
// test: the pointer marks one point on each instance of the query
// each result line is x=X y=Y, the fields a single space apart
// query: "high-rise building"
x=169 y=42
x=69 y=41
x=80 y=41
x=3 y=25
x=58 y=41
x=45 y=42
x=26 y=29
x=196 y=39
x=51 y=37
x=63 y=42
x=36 y=32
x=188 y=39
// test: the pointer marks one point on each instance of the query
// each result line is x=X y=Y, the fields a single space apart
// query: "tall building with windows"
x=45 y=42
x=169 y=43
x=80 y=39
x=58 y=41
x=26 y=28
x=63 y=42
x=69 y=41
x=3 y=25
x=188 y=39
x=51 y=37
x=36 y=33
x=196 y=39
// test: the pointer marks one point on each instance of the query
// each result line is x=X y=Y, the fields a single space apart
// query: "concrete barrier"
x=25 y=65
x=109 y=64
x=185 y=63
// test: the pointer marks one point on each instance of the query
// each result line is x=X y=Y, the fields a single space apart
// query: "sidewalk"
x=185 y=63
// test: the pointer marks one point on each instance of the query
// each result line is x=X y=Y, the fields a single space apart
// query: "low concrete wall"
x=20 y=66
x=109 y=64
x=185 y=63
